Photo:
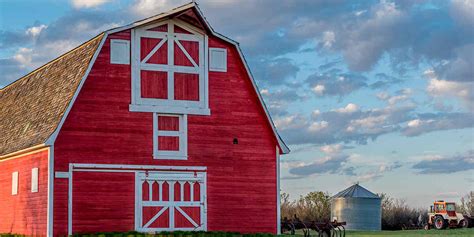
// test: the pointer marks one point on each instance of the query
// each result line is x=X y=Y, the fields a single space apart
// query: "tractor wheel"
x=464 y=224
x=439 y=223
x=426 y=227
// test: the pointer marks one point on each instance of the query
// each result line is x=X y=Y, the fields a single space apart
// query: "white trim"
x=69 y=206
x=187 y=216
x=116 y=54
x=139 y=167
x=153 y=18
x=61 y=175
x=171 y=177
x=153 y=51
x=15 y=182
x=168 y=109
x=23 y=152
x=54 y=135
x=213 y=65
x=182 y=134
x=199 y=107
x=50 y=195
x=278 y=197
x=155 y=217
x=138 y=196
x=34 y=179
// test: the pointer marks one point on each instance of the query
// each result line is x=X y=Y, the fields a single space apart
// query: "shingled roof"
x=32 y=107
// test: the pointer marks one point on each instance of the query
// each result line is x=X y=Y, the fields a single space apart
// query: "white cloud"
x=369 y=122
x=318 y=126
x=35 y=31
x=24 y=56
x=319 y=89
x=439 y=88
x=329 y=37
x=350 y=108
x=153 y=7
x=331 y=149
x=88 y=3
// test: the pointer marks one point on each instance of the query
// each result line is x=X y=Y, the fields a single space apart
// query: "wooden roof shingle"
x=31 y=108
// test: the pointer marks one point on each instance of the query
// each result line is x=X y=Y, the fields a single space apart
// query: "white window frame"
x=182 y=133
x=170 y=105
x=15 y=179
x=34 y=180
x=215 y=68
x=113 y=50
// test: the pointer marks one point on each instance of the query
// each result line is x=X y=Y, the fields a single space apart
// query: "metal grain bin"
x=359 y=207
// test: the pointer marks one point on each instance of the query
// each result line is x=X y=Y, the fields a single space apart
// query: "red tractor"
x=443 y=214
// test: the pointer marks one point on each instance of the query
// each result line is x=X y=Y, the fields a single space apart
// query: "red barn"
x=153 y=126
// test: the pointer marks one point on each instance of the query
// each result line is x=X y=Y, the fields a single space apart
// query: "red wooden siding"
x=168 y=123
x=241 y=179
x=178 y=29
x=104 y=202
x=26 y=212
x=159 y=57
x=186 y=86
x=193 y=50
x=154 y=84
x=162 y=28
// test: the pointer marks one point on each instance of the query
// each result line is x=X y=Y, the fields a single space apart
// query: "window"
x=170 y=136
x=450 y=207
x=169 y=69
x=34 y=180
x=119 y=51
x=14 y=183
x=218 y=60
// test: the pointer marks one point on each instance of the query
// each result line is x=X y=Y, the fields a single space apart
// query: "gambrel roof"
x=33 y=108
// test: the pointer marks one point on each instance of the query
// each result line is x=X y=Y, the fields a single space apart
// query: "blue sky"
x=376 y=92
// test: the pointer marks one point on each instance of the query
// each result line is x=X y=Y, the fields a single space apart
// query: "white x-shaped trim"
x=187 y=217
x=155 y=217
x=186 y=53
x=153 y=51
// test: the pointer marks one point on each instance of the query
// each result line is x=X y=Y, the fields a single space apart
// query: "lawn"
x=405 y=233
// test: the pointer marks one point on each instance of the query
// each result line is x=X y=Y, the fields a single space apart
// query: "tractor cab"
x=443 y=207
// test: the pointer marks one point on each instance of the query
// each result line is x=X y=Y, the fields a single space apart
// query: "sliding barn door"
x=168 y=201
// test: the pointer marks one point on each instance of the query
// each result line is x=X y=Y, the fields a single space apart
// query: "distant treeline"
x=396 y=213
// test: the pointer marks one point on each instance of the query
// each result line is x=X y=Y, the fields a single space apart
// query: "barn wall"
x=26 y=212
x=241 y=178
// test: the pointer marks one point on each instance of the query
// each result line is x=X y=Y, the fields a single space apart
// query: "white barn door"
x=168 y=201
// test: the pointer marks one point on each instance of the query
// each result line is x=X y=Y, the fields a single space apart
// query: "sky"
x=377 y=92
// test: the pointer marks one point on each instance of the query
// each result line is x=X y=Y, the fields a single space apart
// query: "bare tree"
x=466 y=205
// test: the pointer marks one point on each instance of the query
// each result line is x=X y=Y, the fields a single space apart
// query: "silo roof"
x=355 y=191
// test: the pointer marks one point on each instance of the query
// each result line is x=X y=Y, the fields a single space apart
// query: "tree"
x=315 y=206
x=397 y=215
x=466 y=205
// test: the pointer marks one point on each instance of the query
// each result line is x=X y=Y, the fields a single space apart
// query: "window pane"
x=159 y=57
x=180 y=58
x=168 y=143
x=186 y=86
x=168 y=123
x=154 y=84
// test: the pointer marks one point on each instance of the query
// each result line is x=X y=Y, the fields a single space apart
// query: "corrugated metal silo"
x=359 y=207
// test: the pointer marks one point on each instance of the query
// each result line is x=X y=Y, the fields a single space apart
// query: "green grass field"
x=405 y=233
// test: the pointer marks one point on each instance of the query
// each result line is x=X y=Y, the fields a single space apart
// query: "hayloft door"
x=168 y=201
